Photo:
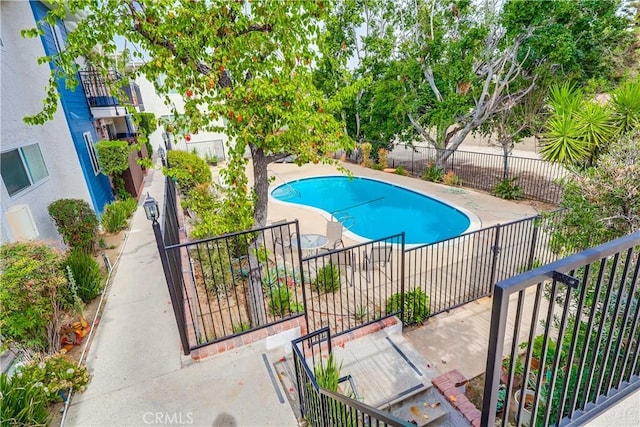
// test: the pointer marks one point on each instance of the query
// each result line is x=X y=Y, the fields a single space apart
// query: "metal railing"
x=239 y=282
x=462 y=269
x=99 y=93
x=351 y=287
x=572 y=330
x=537 y=178
x=321 y=407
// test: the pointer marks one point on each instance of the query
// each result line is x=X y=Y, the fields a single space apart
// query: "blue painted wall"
x=79 y=120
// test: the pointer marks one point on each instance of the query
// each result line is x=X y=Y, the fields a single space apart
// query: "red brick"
x=473 y=414
x=445 y=386
x=476 y=422
x=271 y=330
x=439 y=380
x=237 y=341
x=456 y=377
x=195 y=354
x=466 y=407
x=229 y=345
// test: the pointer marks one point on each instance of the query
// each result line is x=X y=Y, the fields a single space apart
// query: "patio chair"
x=334 y=235
x=281 y=234
x=379 y=255
x=345 y=261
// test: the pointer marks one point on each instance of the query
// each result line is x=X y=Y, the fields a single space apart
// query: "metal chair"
x=377 y=256
x=334 y=235
x=281 y=234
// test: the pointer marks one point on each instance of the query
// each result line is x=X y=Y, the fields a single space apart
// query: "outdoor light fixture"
x=161 y=152
x=151 y=208
x=166 y=138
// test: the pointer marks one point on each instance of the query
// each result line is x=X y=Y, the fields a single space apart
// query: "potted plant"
x=211 y=159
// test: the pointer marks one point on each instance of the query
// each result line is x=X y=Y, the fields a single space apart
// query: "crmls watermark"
x=168 y=418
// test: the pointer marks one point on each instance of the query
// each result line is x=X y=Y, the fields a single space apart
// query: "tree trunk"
x=260 y=185
x=505 y=158
x=256 y=304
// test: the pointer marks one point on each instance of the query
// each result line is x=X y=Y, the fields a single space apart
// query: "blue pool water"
x=374 y=209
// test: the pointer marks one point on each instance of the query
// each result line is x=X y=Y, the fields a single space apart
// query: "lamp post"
x=152 y=213
x=162 y=155
x=166 y=137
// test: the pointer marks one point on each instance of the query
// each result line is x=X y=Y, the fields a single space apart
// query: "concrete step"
x=424 y=408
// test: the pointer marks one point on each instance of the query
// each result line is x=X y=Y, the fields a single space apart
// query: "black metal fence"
x=565 y=338
x=226 y=286
x=354 y=286
x=236 y=283
x=537 y=178
x=462 y=269
x=322 y=407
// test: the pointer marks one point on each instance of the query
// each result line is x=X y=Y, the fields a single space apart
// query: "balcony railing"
x=564 y=341
x=99 y=94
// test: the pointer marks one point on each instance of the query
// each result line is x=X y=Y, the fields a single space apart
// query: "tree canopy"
x=245 y=63
x=442 y=69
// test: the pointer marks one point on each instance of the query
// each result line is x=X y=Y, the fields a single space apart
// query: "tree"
x=359 y=39
x=602 y=202
x=579 y=127
x=248 y=63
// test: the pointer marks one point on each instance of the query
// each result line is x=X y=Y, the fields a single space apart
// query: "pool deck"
x=488 y=209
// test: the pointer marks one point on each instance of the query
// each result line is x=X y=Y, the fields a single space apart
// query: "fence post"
x=534 y=241
x=177 y=309
x=302 y=276
x=412 y=153
x=494 y=259
x=402 y=316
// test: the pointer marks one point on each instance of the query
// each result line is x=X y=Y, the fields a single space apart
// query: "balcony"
x=102 y=101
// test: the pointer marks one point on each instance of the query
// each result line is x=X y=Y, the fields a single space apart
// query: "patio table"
x=310 y=242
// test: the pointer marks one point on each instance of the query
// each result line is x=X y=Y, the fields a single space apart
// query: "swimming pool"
x=374 y=209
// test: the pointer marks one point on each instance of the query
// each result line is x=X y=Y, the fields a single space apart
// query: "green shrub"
x=77 y=223
x=115 y=216
x=56 y=373
x=113 y=156
x=213 y=267
x=328 y=373
x=33 y=287
x=433 y=173
x=328 y=279
x=23 y=403
x=416 y=306
x=280 y=300
x=401 y=171
x=86 y=273
x=241 y=327
x=188 y=169
x=508 y=189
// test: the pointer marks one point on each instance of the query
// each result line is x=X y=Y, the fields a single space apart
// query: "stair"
x=424 y=408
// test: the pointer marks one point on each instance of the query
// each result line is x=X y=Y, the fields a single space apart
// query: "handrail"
x=368 y=412
x=295 y=192
x=344 y=219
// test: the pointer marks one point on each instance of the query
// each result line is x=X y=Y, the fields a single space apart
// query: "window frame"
x=27 y=169
x=58 y=37
x=93 y=154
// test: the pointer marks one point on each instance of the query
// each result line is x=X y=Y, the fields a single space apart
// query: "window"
x=88 y=141
x=22 y=168
x=58 y=37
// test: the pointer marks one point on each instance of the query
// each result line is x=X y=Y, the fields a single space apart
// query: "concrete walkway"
x=140 y=376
